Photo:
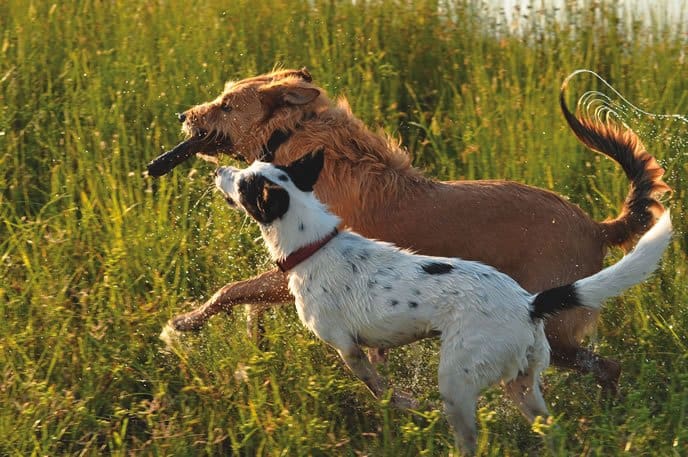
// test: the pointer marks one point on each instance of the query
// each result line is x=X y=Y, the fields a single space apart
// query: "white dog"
x=352 y=291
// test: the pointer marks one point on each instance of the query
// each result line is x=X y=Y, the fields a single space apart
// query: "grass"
x=95 y=257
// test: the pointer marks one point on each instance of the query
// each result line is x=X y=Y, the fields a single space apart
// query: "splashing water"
x=601 y=107
x=202 y=196
x=171 y=337
x=607 y=106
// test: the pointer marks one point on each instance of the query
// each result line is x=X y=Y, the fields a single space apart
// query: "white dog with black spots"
x=352 y=291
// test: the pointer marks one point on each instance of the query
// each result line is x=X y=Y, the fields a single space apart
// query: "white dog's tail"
x=633 y=268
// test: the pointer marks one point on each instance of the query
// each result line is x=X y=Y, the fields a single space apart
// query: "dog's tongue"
x=165 y=162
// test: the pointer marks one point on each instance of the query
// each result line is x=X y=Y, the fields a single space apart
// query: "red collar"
x=303 y=253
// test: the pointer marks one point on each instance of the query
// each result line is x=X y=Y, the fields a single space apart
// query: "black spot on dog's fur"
x=413 y=304
x=301 y=227
x=394 y=302
x=354 y=268
x=283 y=178
x=437 y=268
x=416 y=292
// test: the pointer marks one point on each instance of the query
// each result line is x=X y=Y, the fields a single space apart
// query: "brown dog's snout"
x=181 y=117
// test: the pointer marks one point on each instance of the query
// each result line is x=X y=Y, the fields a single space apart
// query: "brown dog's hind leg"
x=267 y=289
x=377 y=356
x=606 y=371
x=565 y=331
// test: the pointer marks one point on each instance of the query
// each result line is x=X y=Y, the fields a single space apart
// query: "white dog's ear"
x=304 y=172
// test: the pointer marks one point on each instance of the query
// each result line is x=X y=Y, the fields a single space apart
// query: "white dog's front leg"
x=359 y=364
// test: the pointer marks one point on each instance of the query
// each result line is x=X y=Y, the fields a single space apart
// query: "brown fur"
x=368 y=180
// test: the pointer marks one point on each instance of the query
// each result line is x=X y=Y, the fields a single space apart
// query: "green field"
x=95 y=257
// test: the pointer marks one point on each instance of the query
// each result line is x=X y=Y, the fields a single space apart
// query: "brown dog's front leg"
x=267 y=289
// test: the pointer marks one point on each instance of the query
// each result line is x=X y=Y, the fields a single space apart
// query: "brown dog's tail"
x=642 y=206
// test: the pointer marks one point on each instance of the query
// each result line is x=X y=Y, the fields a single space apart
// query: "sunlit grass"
x=95 y=257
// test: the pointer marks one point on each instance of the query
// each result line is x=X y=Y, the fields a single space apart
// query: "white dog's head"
x=281 y=200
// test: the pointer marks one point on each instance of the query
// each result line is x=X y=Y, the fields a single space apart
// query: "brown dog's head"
x=247 y=116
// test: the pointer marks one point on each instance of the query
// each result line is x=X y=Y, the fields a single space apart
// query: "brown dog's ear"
x=301 y=95
x=304 y=172
x=278 y=95
x=263 y=200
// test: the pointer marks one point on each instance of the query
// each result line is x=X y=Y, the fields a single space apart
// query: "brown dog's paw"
x=608 y=377
x=188 y=322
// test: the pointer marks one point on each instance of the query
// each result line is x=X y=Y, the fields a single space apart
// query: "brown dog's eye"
x=226 y=108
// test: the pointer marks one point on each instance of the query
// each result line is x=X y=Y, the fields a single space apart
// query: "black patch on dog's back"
x=437 y=268
x=554 y=300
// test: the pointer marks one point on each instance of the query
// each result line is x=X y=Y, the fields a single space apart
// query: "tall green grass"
x=95 y=257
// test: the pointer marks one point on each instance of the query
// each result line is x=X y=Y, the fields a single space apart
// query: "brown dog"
x=369 y=182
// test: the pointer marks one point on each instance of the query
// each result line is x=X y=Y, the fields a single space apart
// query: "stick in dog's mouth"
x=200 y=143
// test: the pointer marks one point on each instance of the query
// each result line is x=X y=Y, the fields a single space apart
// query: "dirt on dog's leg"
x=267 y=289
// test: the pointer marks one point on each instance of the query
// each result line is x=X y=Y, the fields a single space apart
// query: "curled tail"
x=590 y=292
x=642 y=206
